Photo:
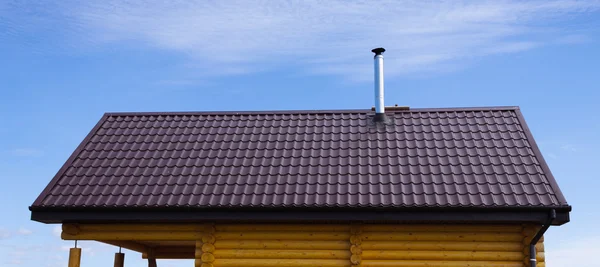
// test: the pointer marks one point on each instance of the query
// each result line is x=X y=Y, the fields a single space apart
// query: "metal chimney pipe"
x=379 y=103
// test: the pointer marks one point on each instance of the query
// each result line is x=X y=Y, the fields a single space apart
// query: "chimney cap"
x=378 y=51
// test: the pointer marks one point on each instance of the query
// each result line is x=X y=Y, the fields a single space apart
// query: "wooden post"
x=151 y=258
x=74 y=257
x=119 y=259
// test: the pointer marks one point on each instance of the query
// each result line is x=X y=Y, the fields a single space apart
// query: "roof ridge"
x=316 y=111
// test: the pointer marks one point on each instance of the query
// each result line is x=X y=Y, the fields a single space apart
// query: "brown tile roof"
x=460 y=157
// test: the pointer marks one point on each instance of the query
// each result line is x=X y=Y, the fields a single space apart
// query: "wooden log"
x=442 y=246
x=281 y=244
x=283 y=227
x=441 y=228
x=132 y=236
x=454 y=236
x=119 y=259
x=139 y=227
x=71 y=228
x=127 y=244
x=74 y=257
x=206 y=248
x=282 y=235
x=172 y=252
x=407 y=263
x=539 y=247
x=282 y=254
x=171 y=255
x=442 y=255
x=281 y=262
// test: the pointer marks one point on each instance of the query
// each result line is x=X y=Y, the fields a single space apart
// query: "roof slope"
x=466 y=157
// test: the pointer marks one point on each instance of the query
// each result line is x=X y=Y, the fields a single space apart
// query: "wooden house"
x=449 y=187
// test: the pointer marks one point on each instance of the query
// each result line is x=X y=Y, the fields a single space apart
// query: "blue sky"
x=62 y=65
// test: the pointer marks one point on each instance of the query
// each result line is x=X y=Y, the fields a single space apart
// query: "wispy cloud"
x=574 y=253
x=15 y=262
x=16 y=257
x=4 y=233
x=24 y=231
x=331 y=37
x=57 y=230
x=569 y=148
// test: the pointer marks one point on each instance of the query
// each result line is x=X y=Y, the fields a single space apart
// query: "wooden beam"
x=282 y=262
x=442 y=245
x=171 y=256
x=71 y=228
x=408 y=263
x=442 y=255
x=74 y=227
x=281 y=254
x=132 y=235
x=131 y=245
x=281 y=244
x=172 y=252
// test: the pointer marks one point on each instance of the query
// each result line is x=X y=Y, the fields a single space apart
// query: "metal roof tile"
x=474 y=158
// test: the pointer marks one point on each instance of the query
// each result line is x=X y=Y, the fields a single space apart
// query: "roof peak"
x=316 y=111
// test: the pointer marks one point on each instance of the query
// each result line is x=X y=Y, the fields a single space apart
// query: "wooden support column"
x=205 y=248
x=74 y=257
x=119 y=259
x=151 y=258
x=355 y=245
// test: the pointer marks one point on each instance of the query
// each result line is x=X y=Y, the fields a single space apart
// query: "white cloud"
x=4 y=234
x=569 y=148
x=57 y=230
x=333 y=37
x=24 y=231
x=15 y=262
x=575 y=253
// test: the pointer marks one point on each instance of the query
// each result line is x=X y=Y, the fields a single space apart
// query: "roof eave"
x=414 y=215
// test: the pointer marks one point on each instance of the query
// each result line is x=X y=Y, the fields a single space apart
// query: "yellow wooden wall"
x=367 y=245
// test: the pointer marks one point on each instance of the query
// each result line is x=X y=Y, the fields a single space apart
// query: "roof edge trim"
x=538 y=154
x=69 y=162
x=266 y=112
x=496 y=216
